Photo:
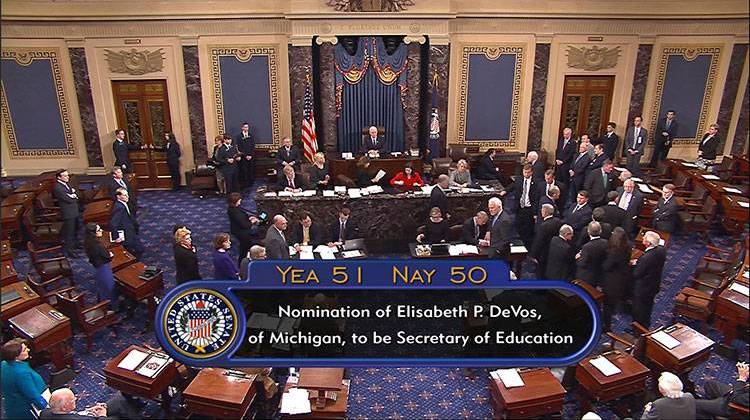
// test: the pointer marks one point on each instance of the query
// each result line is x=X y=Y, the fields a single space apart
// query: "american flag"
x=199 y=321
x=309 y=139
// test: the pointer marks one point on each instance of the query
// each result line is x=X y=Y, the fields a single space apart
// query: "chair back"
x=455 y=232
x=70 y=306
x=681 y=181
x=699 y=193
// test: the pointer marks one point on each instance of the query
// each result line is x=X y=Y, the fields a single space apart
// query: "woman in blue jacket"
x=22 y=386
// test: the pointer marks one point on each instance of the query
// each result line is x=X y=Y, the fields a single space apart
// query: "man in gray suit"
x=276 y=245
x=675 y=404
x=635 y=143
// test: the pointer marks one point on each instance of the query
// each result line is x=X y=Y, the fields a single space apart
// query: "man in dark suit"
x=564 y=155
x=579 y=169
x=613 y=214
x=610 y=140
x=474 y=229
x=275 y=241
x=545 y=231
x=674 y=405
x=525 y=192
x=597 y=215
x=246 y=146
x=288 y=155
x=291 y=181
x=343 y=228
x=591 y=256
x=70 y=213
x=561 y=256
x=228 y=155
x=598 y=183
x=117 y=180
x=499 y=227
x=62 y=406
x=599 y=158
x=630 y=200
x=552 y=197
x=173 y=152
x=647 y=278
x=486 y=170
x=665 y=214
x=635 y=142
x=665 y=131
x=709 y=143
x=550 y=180
x=718 y=395
x=578 y=216
x=438 y=197
x=307 y=232
x=373 y=141
x=120 y=149
x=122 y=219
x=538 y=167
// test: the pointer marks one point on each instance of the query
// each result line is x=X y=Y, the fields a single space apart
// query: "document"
x=132 y=360
x=153 y=365
x=518 y=249
x=665 y=339
x=295 y=401
x=375 y=189
x=351 y=254
x=739 y=288
x=329 y=193
x=322 y=248
x=510 y=378
x=285 y=194
x=645 y=188
x=309 y=193
x=606 y=367
x=711 y=177
x=379 y=175
x=306 y=253
x=732 y=190
x=427 y=189
x=347 y=155
x=328 y=255
x=270 y=194
x=292 y=251
x=339 y=189
x=689 y=165
x=354 y=193
x=744 y=204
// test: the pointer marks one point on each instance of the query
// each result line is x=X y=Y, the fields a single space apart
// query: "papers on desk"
x=665 y=339
x=322 y=248
x=328 y=255
x=606 y=367
x=509 y=377
x=354 y=193
x=329 y=193
x=487 y=188
x=339 y=189
x=427 y=189
x=744 y=204
x=636 y=179
x=351 y=254
x=306 y=252
x=153 y=365
x=689 y=165
x=739 y=288
x=295 y=401
x=518 y=249
x=347 y=155
x=270 y=194
x=462 y=249
x=132 y=360
x=711 y=177
x=374 y=189
x=309 y=193
x=285 y=194
x=292 y=251
x=379 y=175
x=732 y=190
x=645 y=188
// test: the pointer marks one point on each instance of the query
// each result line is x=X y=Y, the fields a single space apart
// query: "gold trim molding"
x=135 y=62
x=592 y=58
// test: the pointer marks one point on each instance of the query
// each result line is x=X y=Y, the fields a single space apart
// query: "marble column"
x=439 y=65
x=639 y=85
x=300 y=61
x=86 y=106
x=328 y=97
x=538 y=96
x=412 y=112
x=195 y=104
x=730 y=91
x=739 y=146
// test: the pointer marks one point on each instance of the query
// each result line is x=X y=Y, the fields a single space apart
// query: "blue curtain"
x=369 y=89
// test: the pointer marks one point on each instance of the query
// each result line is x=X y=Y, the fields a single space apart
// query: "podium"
x=130 y=382
x=322 y=380
x=138 y=289
x=16 y=298
x=599 y=387
x=694 y=349
x=541 y=395
x=221 y=393
x=45 y=329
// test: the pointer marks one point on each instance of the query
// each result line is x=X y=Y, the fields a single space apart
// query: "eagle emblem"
x=594 y=58
x=135 y=62
x=370 y=5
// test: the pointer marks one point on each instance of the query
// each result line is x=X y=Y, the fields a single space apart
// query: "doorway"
x=587 y=101
x=142 y=109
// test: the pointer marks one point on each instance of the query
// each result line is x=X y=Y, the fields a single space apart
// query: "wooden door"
x=143 y=112
x=587 y=101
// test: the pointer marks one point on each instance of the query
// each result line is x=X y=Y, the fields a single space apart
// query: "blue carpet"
x=429 y=393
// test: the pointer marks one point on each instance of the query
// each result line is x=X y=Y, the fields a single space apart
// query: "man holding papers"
x=647 y=278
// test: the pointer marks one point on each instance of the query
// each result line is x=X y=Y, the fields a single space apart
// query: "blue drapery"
x=369 y=91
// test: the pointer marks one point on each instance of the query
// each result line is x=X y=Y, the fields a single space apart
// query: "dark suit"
x=440 y=200
x=242 y=229
x=665 y=215
x=525 y=215
x=593 y=254
x=122 y=219
x=486 y=170
x=186 y=264
x=472 y=232
x=120 y=150
x=597 y=162
x=633 y=210
x=580 y=169
x=545 y=231
x=350 y=230
x=565 y=153
x=67 y=199
x=112 y=185
x=597 y=188
x=638 y=144
x=560 y=260
x=578 y=219
x=610 y=142
x=315 y=233
x=542 y=193
x=500 y=227
x=682 y=408
x=614 y=215
x=288 y=156
x=584 y=237
x=173 y=161
x=299 y=182
x=229 y=169
x=718 y=396
x=646 y=283
x=368 y=143
x=276 y=244
x=615 y=282
x=538 y=169
x=708 y=146
x=246 y=146
x=663 y=143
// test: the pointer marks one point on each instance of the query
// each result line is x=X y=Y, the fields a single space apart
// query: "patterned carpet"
x=411 y=392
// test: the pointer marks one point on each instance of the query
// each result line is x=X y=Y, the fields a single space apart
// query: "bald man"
x=276 y=242
x=438 y=197
x=373 y=141
x=62 y=405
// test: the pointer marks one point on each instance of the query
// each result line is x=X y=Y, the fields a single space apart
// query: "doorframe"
x=173 y=71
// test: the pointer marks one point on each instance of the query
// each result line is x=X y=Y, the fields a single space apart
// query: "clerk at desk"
x=373 y=141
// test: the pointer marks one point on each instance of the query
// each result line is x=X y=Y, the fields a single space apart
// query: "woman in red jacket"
x=407 y=179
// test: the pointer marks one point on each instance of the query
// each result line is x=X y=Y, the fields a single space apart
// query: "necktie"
x=291 y=181
x=122 y=183
x=604 y=179
x=127 y=208
x=578 y=206
x=635 y=137
x=668 y=124
x=547 y=189
x=342 y=229
x=305 y=235
x=525 y=195
x=494 y=219
x=707 y=139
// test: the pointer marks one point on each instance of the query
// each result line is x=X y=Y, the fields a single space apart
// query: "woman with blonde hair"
x=185 y=257
x=319 y=172
x=436 y=228
x=461 y=176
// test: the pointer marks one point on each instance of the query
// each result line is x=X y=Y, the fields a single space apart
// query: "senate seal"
x=200 y=323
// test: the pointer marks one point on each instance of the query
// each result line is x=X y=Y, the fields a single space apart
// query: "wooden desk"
x=731 y=313
x=138 y=385
x=735 y=215
x=219 y=393
x=631 y=380
x=35 y=186
x=10 y=218
x=137 y=289
x=98 y=212
x=45 y=332
x=390 y=165
x=694 y=349
x=121 y=257
x=25 y=199
x=322 y=378
x=6 y=250
x=8 y=273
x=27 y=300
x=541 y=395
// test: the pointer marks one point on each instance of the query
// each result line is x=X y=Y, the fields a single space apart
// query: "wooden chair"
x=682 y=185
x=699 y=221
x=440 y=166
x=49 y=262
x=47 y=206
x=707 y=281
x=91 y=319
x=40 y=228
x=718 y=260
x=697 y=304
x=455 y=232
x=635 y=344
x=86 y=189
x=48 y=289
x=659 y=175
x=697 y=197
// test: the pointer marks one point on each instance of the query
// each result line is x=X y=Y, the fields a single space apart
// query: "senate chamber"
x=157 y=153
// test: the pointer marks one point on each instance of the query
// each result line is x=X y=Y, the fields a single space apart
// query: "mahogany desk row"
x=27 y=299
x=322 y=380
x=47 y=330
x=138 y=289
x=221 y=393
x=541 y=395
x=595 y=385
x=130 y=382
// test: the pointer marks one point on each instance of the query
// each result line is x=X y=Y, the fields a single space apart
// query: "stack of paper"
x=309 y=193
x=487 y=188
x=327 y=255
x=711 y=177
x=518 y=249
x=306 y=253
x=606 y=367
x=379 y=176
x=462 y=249
x=339 y=189
x=295 y=401
x=375 y=189
x=665 y=339
x=329 y=193
x=132 y=360
x=354 y=193
x=739 y=288
x=509 y=377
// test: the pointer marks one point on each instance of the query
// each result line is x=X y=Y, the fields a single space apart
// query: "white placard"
x=740 y=288
x=645 y=188
x=604 y=366
x=665 y=339
x=354 y=193
x=329 y=193
x=375 y=189
x=711 y=177
x=732 y=190
x=510 y=378
x=340 y=189
x=132 y=360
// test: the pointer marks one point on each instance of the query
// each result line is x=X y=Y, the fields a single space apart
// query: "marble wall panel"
x=639 y=86
x=86 y=106
x=328 y=97
x=739 y=146
x=538 y=96
x=412 y=113
x=195 y=104
x=730 y=91
x=300 y=61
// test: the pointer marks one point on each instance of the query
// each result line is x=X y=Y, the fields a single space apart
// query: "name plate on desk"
x=604 y=366
x=665 y=339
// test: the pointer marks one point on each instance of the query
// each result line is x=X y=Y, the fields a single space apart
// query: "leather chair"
x=49 y=263
x=455 y=232
x=91 y=319
x=699 y=221
x=48 y=289
x=41 y=229
x=47 y=206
